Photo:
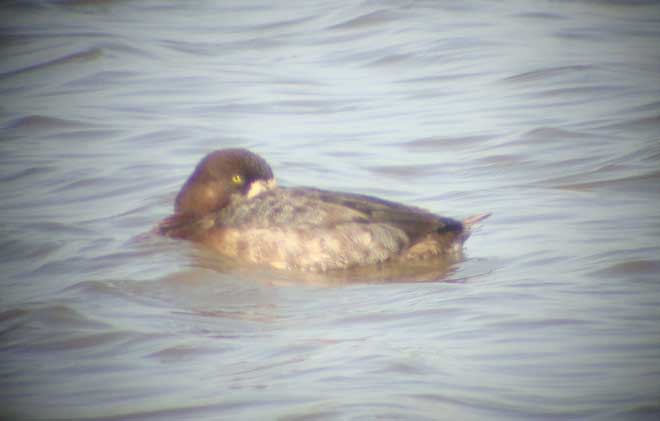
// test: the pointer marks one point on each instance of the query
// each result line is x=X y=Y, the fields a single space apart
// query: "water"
x=546 y=114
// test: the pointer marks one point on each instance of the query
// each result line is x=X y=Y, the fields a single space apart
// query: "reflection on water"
x=431 y=270
x=546 y=114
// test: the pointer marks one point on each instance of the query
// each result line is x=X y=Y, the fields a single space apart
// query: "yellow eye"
x=237 y=179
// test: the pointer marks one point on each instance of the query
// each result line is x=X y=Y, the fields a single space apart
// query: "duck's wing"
x=291 y=207
x=415 y=222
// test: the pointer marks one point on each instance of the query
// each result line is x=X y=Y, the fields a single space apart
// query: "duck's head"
x=220 y=176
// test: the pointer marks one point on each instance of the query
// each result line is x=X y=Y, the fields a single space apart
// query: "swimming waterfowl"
x=232 y=204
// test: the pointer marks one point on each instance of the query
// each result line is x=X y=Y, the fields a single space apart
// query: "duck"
x=232 y=204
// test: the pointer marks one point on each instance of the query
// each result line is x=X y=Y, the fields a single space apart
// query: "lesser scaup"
x=232 y=204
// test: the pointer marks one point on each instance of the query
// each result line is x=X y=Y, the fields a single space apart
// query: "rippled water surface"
x=545 y=113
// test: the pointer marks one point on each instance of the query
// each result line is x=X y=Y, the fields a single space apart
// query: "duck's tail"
x=473 y=221
x=469 y=224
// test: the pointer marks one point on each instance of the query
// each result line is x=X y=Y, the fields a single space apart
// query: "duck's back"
x=311 y=229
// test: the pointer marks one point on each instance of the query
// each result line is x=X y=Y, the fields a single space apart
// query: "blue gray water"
x=545 y=113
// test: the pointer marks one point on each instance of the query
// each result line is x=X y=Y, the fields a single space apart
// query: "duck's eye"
x=237 y=179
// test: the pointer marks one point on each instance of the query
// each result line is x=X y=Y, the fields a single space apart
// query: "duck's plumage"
x=301 y=228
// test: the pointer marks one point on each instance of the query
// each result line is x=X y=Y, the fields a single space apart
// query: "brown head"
x=218 y=176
